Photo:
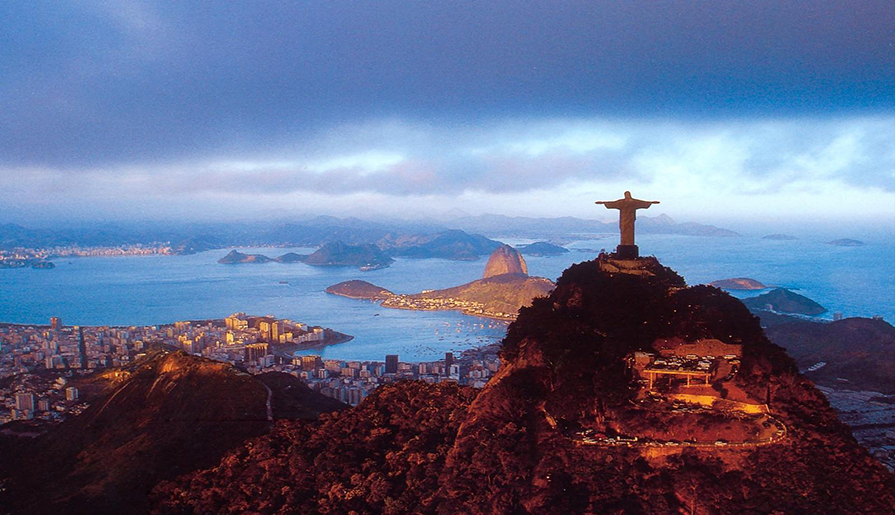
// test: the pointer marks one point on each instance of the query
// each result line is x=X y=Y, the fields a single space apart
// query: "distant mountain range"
x=409 y=239
x=453 y=245
x=549 y=228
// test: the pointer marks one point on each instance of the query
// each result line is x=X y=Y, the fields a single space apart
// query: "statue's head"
x=627 y=194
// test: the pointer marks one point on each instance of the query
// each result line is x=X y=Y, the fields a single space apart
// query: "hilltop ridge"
x=163 y=416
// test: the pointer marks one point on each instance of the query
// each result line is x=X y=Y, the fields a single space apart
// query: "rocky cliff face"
x=510 y=449
x=505 y=260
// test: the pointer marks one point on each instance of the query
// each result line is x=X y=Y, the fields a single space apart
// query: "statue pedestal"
x=627 y=252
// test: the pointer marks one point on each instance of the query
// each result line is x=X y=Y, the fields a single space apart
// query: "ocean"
x=150 y=290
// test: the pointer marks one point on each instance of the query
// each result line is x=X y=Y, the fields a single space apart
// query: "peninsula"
x=504 y=288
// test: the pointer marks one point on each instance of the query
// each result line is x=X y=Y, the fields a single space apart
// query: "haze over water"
x=856 y=281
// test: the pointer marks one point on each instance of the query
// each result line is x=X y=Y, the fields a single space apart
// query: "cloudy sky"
x=724 y=111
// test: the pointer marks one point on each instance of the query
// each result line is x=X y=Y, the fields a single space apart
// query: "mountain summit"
x=505 y=260
x=624 y=391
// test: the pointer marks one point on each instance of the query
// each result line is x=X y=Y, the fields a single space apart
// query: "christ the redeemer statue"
x=627 y=208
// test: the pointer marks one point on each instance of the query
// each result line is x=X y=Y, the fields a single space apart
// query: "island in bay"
x=779 y=237
x=782 y=300
x=738 y=283
x=543 y=248
x=365 y=257
x=504 y=288
x=846 y=242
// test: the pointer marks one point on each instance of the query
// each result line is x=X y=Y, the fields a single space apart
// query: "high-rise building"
x=56 y=323
x=311 y=362
x=254 y=352
x=25 y=402
x=391 y=363
x=265 y=327
x=237 y=322
x=82 y=348
x=21 y=415
x=448 y=360
x=276 y=329
x=71 y=393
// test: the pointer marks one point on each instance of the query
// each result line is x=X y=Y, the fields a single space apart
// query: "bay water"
x=151 y=290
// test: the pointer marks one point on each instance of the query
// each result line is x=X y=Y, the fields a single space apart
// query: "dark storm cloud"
x=91 y=84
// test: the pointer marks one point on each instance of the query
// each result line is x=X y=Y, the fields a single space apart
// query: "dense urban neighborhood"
x=42 y=366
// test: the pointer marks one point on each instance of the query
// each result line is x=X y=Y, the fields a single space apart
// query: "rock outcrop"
x=505 y=260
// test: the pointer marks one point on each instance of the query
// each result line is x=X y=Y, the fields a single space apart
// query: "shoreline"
x=458 y=310
x=289 y=349
x=338 y=336
x=381 y=302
